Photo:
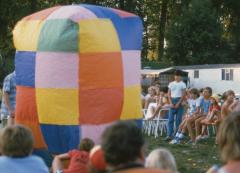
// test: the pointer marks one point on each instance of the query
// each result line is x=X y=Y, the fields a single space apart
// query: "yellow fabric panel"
x=58 y=106
x=132 y=103
x=98 y=35
x=26 y=34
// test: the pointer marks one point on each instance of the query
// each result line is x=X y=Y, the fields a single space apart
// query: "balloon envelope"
x=78 y=71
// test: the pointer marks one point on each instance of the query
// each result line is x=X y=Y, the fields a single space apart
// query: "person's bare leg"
x=57 y=165
x=157 y=110
x=204 y=127
x=190 y=129
x=152 y=110
x=10 y=121
x=197 y=127
x=185 y=129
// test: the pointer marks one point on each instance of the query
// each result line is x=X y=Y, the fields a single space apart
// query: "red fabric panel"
x=41 y=15
x=101 y=70
x=26 y=113
x=100 y=105
x=100 y=87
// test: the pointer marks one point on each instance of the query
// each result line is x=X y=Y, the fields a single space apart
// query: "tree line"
x=176 y=32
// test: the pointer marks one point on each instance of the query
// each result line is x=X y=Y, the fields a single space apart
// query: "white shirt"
x=193 y=104
x=177 y=88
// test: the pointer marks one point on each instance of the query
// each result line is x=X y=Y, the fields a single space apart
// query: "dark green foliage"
x=194 y=31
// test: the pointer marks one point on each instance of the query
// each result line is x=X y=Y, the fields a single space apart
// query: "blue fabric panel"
x=129 y=29
x=45 y=155
x=25 y=68
x=139 y=123
x=60 y=138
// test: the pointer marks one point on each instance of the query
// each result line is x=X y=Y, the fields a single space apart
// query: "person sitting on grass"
x=212 y=117
x=203 y=108
x=229 y=144
x=161 y=158
x=192 y=111
x=16 y=146
x=124 y=151
x=78 y=159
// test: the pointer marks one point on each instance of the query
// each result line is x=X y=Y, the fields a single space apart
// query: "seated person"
x=78 y=159
x=123 y=146
x=162 y=159
x=154 y=108
x=150 y=97
x=228 y=104
x=229 y=145
x=16 y=145
x=192 y=111
x=203 y=108
x=212 y=117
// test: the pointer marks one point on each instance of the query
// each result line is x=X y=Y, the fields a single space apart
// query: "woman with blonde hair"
x=229 y=144
x=163 y=159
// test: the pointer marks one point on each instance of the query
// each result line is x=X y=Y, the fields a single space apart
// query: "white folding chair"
x=160 y=123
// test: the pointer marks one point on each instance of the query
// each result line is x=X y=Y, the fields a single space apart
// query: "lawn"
x=189 y=158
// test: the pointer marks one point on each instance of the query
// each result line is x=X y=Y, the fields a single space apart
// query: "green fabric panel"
x=59 y=35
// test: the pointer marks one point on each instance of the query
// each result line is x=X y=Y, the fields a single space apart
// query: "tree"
x=162 y=24
x=195 y=37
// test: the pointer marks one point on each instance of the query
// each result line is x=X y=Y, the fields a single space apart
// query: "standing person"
x=176 y=95
x=123 y=147
x=8 y=99
x=16 y=147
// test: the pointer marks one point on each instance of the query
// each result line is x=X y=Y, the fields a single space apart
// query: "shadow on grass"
x=190 y=158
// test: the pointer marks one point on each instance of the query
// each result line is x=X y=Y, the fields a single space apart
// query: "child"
x=16 y=147
x=228 y=98
x=212 y=117
x=150 y=97
x=203 y=108
x=176 y=94
x=78 y=158
x=192 y=104
x=154 y=108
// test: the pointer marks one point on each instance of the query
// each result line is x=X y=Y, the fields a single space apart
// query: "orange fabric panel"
x=26 y=113
x=100 y=70
x=100 y=105
x=26 y=108
x=41 y=14
x=39 y=141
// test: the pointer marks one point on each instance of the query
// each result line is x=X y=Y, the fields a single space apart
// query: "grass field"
x=189 y=158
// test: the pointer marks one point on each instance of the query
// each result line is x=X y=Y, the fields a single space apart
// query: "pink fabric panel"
x=56 y=70
x=123 y=13
x=76 y=13
x=93 y=131
x=131 y=67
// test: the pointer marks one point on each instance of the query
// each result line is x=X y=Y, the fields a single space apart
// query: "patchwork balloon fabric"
x=78 y=71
